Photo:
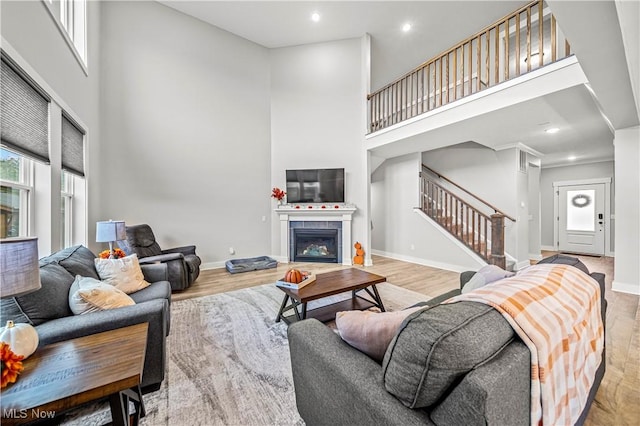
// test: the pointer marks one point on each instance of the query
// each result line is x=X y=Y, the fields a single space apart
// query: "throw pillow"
x=90 y=295
x=436 y=347
x=50 y=301
x=124 y=273
x=371 y=332
x=486 y=274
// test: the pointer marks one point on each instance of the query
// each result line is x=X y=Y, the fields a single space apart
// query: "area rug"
x=228 y=362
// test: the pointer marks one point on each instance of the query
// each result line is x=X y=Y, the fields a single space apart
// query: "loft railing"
x=482 y=233
x=522 y=41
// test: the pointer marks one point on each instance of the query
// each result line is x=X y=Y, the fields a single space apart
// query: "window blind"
x=25 y=113
x=72 y=146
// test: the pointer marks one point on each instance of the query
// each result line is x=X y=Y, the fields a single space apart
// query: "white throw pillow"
x=486 y=275
x=90 y=295
x=124 y=273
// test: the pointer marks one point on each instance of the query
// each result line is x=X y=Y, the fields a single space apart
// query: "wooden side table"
x=63 y=375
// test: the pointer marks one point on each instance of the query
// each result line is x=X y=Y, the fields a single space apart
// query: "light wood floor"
x=618 y=398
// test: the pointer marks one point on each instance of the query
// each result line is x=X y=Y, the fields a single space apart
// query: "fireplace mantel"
x=316 y=213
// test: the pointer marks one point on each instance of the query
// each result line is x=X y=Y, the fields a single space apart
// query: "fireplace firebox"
x=315 y=245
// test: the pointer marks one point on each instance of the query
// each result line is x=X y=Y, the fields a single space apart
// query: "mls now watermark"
x=33 y=414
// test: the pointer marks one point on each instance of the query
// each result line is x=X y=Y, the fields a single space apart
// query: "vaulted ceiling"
x=436 y=26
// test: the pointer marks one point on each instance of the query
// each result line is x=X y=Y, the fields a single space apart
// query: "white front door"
x=581 y=218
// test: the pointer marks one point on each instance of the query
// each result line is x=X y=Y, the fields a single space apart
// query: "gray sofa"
x=479 y=374
x=48 y=308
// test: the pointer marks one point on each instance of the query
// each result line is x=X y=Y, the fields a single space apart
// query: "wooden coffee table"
x=63 y=375
x=329 y=284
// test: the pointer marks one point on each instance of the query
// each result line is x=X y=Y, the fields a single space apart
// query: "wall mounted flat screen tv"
x=315 y=186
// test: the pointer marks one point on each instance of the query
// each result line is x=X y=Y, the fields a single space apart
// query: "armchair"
x=182 y=262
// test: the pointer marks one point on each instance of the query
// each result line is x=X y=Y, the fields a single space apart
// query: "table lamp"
x=110 y=231
x=19 y=274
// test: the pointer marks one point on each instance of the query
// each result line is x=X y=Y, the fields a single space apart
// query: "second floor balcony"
x=521 y=42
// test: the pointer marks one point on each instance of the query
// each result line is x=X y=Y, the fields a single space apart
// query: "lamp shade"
x=109 y=231
x=19 y=269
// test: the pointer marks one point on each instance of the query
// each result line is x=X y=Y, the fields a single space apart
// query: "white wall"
x=568 y=173
x=185 y=131
x=317 y=120
x=31 y=32
x=627 y=226
x=534 y=212
x=401 y=233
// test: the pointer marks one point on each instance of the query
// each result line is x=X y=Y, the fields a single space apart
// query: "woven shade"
x=25 y=113
x=19 y=269
x=72 y=147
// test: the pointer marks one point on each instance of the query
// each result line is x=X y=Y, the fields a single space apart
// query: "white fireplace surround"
x=316 y=213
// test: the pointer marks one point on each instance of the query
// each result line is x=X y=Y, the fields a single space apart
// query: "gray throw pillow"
x=80 y=262
x=50 y=301
x=10 y=310
x=565 y=260
x=437 y=346
x=486 y=274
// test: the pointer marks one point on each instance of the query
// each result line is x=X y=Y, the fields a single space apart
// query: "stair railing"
x=520 y=42
x=482 y=233
x=486 y=203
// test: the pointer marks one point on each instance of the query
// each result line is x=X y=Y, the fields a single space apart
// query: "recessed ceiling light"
x=315 y=16
x=571 y=157
x=406 y=27
x=552 y=130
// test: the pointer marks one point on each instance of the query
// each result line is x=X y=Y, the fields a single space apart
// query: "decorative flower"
x=117 y=254
x=10 y=365
x=278 y=193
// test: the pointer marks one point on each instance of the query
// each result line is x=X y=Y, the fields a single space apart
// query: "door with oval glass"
x=581 y=219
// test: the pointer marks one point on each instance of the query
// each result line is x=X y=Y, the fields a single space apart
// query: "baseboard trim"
x=522 y=265
x=212 y=265
x=536 y=257
x=625 y=288
x=424 y=262
x=548 y=248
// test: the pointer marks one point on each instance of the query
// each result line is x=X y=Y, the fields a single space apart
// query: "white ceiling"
x=437 y=25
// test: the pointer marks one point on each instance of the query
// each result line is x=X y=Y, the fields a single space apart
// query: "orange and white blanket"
x=555 y=309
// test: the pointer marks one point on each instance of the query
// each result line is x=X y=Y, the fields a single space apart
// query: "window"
x=66 y=206
x=15 y=192
x=30 y=200
x=73 y=19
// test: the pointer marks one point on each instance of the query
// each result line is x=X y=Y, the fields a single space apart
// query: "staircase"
x=480 y=232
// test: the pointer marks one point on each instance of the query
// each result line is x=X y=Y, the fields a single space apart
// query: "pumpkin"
x=360 y=252
x=293 y=276
x=358 y=260
x=357 y=245
x=21 y=338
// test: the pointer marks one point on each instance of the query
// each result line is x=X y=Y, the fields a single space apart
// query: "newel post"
x=497 y=241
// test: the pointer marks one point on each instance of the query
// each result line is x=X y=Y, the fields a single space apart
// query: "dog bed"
x=236 y=266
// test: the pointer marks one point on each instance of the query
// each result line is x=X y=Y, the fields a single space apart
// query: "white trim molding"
x=424 y=262
x=481 y=262
x=289 y=213
x=625 y=287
